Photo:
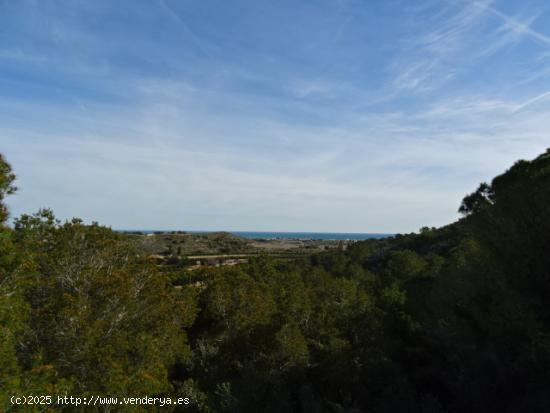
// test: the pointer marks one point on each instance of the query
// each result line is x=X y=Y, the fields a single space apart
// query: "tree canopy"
x=449 y=319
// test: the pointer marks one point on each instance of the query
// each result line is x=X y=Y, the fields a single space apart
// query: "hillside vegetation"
x=455 y=319
x=180 y=244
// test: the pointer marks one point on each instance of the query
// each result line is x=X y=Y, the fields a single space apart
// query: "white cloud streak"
x=463 y=34
x=519 y=27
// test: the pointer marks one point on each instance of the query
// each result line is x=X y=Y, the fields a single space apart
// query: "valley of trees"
x=453 y=319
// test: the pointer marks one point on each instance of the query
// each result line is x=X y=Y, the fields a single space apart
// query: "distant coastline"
x=328 y=236
x=310 y=235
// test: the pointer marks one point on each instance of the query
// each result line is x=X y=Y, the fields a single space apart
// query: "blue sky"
x=341 y=115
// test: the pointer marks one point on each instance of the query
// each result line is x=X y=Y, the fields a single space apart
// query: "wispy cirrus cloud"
x=429 y=59
x=521 y=28
x=461 y=34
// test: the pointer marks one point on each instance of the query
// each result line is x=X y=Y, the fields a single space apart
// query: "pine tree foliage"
x=450 y=319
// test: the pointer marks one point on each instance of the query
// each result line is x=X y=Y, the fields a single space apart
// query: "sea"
x=310 y=235
x=355 y=236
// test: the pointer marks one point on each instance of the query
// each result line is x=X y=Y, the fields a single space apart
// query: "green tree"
x=100 y=314
x=13 y=309
x=7 y=177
